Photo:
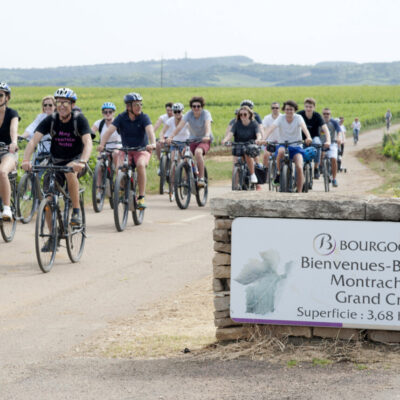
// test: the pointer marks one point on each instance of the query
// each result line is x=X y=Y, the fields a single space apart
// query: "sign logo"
x=324 y=244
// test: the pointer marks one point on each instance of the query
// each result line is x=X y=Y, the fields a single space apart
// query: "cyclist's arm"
x=87 y=147
x=227 y=137
x=30 y=148
x=162 y=133
x=14 y=135
x=324 y=127
x=269 y=130
x=178 y=129
x=107 y=134
x=157 y=124
x=207 y=133
x=152 y=137
x=95 y=128
x=306 y=131
x=261 y=129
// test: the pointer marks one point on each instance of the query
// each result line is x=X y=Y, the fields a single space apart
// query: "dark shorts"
x=205 y=146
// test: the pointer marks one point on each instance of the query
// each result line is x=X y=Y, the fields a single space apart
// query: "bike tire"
x=284 y=181
x=202 y=192
x=98 y=203
x=326 y=174
x=137 y=214
x=121 y=201
x=27 y=201
x=163 y=173
x=76 y=237
x=182 y=185
x=236 y=185
x=270 y=174
x=307 y=174
x=43 y=233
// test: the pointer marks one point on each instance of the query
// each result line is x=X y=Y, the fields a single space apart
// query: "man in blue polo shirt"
x=136 y=130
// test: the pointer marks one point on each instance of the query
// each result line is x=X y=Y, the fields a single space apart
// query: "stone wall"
x=283 y=205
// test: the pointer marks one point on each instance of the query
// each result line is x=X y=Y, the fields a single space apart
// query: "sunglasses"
x=47 y=105
x=274 y=108
x=326 y=113
x=196 y=106
x=244 y=114
x=177 y=112
x=63 y=102
x=107 y=112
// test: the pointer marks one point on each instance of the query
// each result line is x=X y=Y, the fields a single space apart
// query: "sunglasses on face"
x=196 y=106
x=177 y=112
x=47 y=105
x=63 y=102
x=244 y=114
x=274 y=108
x=107 y=112
x=326 y=113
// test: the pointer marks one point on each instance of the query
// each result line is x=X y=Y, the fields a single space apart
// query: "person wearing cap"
x=8 y=160
x=136 y=130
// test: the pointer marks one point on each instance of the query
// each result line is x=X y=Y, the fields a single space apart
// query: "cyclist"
x=356 y=125
x=108 y=110
x=180 y=138
x=290 y=127
x=332 y=153
x=9 y=135
x=257 y=117
x=71 y=145
x=342 y=135
x=315 y=125
x=273 y=138
x=388 y=118
x=245 y=129
x=162 y=119
x=199 y=122
x=136 y=130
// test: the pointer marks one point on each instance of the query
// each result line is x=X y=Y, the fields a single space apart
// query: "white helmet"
x=177 y=107
x=66 y=93
x=247 y=103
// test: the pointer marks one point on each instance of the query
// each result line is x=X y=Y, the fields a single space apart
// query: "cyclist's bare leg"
x=118 y=158
x=298 y=162
x=200 y=161
x=250 y=163
x=73 y=187
x=172 y=171
x=141 y=174
x=7 y=165
x=281 y=154
x=158 y=150
x=334 y=167
x=267 y=155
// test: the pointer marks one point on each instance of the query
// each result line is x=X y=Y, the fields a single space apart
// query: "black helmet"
x=247 y=103
x=132 y=97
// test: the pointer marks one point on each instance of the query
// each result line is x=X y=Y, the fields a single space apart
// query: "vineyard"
x=391 y=146
x=369 y=103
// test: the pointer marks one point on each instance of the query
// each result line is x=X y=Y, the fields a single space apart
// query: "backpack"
x=102 y=122
x=75 y=115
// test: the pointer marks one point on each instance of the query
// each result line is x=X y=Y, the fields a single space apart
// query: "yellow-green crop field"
x=369 y=103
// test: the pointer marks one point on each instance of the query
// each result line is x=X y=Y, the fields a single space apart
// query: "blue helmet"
x=309 y=153
x=5 y=88
x=132 y=97
x=66 y=93
x=108 y=105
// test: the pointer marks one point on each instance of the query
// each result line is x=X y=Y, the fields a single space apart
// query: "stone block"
x=222 y=314
x=224 y=322
x=222 y=303
x=337 y=333
x=223 y=223
x=222 y=247
x=383 y=210
x=221 y=235
x=384 y=336
x=218 y=285
x=221 y=271
x=288 y=330
x=222 y=259
x=232 y=333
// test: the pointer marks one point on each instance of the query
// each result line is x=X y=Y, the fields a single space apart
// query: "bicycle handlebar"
x=58 y=168
x=127 y=149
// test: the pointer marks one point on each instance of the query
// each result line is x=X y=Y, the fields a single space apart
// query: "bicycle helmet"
x=130 y=97
x=108 y=105
x=247 y=103
x=66 y=93
x=309 y=153
x=252 y=150
x=177 y=107
x=5 y=88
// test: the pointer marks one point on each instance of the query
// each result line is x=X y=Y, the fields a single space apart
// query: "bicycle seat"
x=13 y=174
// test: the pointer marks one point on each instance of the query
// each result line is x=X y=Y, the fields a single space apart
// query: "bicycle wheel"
x=46 y=235
x=111 y=198
x=236 y=179
x=170 y=185
x=182 y=185
x=284 y=181
x=99 y=187
x=76 y=236
x=27 y=201
x=121 y=201
x=270 y=173
x=163 y=173
x=137 y=214
x=307 y=174
x=202 y=192
x=325 y=172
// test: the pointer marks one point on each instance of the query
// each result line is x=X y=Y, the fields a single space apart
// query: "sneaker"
x=316 y=173
x=334 y=183
x=141 y=204
x=277 y=180
x=201 y=182
x=171 y=196
x=76 y=220
x=253 y=178
x=7 y=214
x=48 y=246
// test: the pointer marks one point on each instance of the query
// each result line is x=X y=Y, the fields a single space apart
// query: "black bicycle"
x=287 y=179
x=126 y=191
x=272 y=166
x=53 y=220
x=103 y=179
x=27 y=198
x=165 y=167
x=187 y=180
x=8 y=228
x=325 y=166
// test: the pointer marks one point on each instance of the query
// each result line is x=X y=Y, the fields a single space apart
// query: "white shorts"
x=333 y=151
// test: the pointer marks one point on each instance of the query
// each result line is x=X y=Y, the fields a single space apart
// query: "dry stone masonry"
x=283 y=205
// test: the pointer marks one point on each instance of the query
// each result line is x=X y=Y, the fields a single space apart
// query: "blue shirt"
x=133 y=133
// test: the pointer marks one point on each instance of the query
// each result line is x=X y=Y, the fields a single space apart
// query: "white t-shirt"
x=290 y=132
x=267 y=122
x=164 y=118
x=356 y=125
x=342 y=134
x=115 y=137
x=182 y=136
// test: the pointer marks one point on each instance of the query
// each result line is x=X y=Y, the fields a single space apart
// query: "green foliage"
x=321 y=361
x=391 y=146
x=292 y=363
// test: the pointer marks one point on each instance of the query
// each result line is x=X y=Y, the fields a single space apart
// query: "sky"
x=45 y=33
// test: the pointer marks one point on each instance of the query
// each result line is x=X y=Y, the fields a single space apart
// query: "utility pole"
x=162 y=71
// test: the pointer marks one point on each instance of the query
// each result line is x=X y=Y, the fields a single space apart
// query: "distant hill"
x=215 y=71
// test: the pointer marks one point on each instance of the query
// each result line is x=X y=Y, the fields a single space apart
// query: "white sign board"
x=316 y=273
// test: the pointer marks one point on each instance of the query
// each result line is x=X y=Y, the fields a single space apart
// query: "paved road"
x=43 y=316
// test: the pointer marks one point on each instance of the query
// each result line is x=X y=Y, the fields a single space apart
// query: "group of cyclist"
x=294 y=127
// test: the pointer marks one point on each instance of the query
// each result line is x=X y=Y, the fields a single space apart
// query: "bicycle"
x=103 y=179
x=8 y=228
x=53 y=220
x=186 y=180
x=27 y=198
x=125 y=192
x=272 y=166
x=173 y=168
x=165 y=167
x=339 y=161
x=325 y=166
